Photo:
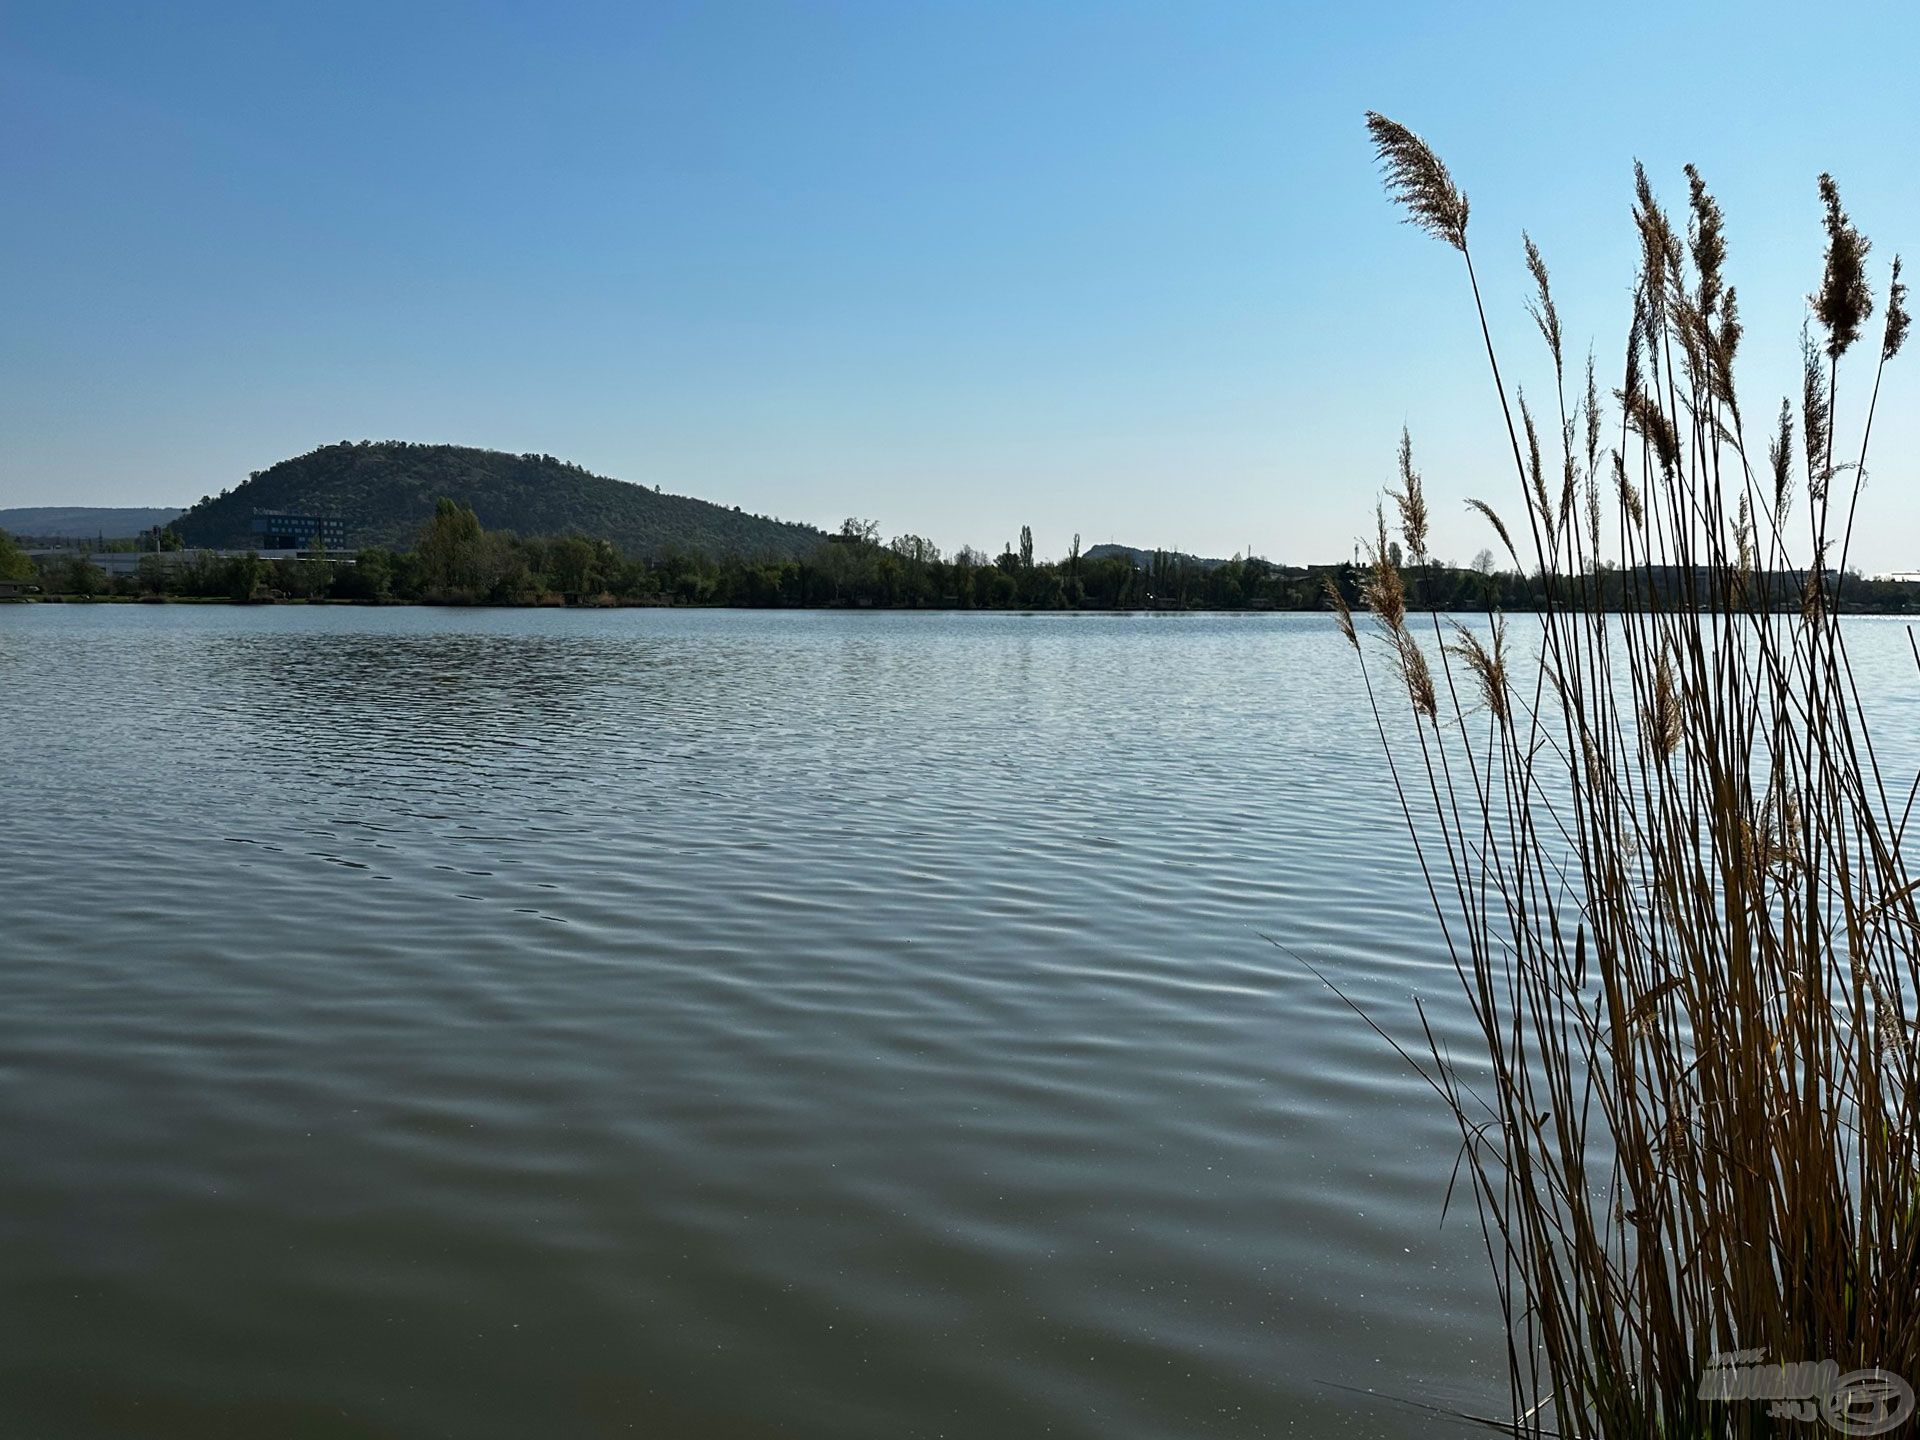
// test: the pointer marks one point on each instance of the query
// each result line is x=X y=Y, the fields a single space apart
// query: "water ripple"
x=500 y=1024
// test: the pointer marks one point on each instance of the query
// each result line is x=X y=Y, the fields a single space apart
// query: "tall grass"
x=1664 y=855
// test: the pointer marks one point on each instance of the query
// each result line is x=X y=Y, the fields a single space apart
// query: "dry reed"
x=1667 y=865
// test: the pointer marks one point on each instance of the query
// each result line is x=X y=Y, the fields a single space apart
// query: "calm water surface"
x=425 y=1023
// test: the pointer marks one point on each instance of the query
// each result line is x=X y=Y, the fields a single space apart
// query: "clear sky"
x=1120 y=269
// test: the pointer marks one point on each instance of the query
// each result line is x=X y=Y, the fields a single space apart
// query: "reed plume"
x=1486 y=663
x=1843 y=301
x=1780 y=460
x=1898 y=320
x=1816 y=417
x=1541 y=306
x=1417 y=179
x=1411 y=500
x=1383 y=589
x=1499 y=526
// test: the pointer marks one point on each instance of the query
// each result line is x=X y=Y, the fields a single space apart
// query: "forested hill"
x=385 y=490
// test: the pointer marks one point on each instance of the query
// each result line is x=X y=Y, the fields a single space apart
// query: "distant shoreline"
x=619 y=603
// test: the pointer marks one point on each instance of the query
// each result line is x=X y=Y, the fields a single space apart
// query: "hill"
x=385 y=490
x=1143 y=558
x=79 y=522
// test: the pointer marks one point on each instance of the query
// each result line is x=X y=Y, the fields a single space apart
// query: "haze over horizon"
x=1120 y=270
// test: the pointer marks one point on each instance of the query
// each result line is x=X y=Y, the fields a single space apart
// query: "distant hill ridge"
x=385 y=490
x=1145 y=557
x=84 y=522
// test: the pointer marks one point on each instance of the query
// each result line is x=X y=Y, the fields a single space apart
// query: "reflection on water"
x=509 y=1024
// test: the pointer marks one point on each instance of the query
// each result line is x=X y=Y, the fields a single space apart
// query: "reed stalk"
x=1666 y=863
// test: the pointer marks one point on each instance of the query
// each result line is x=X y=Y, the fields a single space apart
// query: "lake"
x=699 y=1023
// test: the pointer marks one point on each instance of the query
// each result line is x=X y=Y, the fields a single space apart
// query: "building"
x=119 y=563
x=281 y=531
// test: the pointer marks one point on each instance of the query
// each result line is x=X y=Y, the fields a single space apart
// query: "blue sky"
x=1115 y=269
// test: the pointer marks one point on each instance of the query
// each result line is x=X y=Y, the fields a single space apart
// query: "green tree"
x=303 y=579
x=861 y=532
x=244 y=573
x=576 y=565
x=370 y=577
x=155 y=576
x=450 y=550
x=14 y=564
x=77 y=575
x=504 y=576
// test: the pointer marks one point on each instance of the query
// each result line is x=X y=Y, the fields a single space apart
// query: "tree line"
x=455 y=560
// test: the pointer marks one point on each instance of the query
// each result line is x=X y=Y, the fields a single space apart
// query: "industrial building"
x=282 y=531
